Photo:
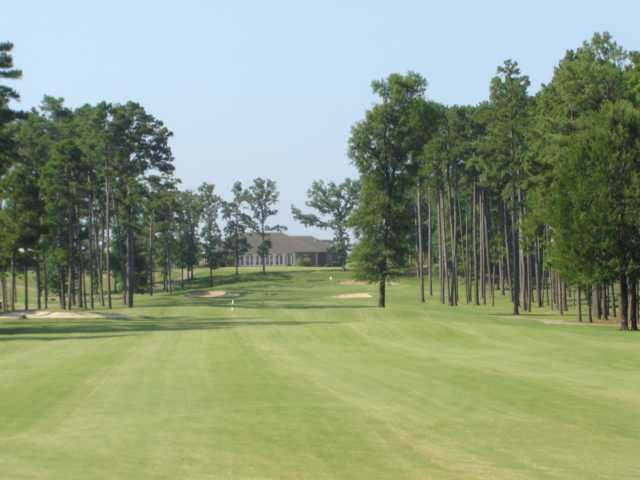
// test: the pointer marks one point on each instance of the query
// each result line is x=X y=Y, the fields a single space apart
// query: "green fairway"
x=292 y=382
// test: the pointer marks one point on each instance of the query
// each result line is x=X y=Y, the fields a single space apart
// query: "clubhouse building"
x=289 y=250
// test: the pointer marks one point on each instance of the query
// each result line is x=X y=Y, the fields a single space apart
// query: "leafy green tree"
x=506 y=143
x=334 y=204
x=21 y=185
x=238 y=222
x=139 y=145
x=381 y=147
x=263 y=197
x=210 y=232
x=63 y=182
x=189 y=215
x=595 y=201
x=7 y=94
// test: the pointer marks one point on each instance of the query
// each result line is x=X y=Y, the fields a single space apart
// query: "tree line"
x=90 y=205
x=532 y=196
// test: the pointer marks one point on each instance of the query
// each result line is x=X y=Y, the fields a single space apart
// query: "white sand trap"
x=207 y=294
x=348 y=296
x=353 y=282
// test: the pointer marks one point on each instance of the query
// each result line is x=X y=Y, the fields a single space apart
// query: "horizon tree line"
x=90 y=205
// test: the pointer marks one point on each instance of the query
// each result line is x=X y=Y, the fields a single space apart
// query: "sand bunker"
x=207 y=294
x=353 y=282
x=346 y=296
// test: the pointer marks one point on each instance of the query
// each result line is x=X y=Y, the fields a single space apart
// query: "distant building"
x=289 y=250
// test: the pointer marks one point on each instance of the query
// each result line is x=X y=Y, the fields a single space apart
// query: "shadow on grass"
x=224 y=280
x=71 y=331
x=38 y=338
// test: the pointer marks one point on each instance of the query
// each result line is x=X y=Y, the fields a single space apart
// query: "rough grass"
x=293 y=383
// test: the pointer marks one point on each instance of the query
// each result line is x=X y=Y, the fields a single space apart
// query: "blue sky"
x=272 y=88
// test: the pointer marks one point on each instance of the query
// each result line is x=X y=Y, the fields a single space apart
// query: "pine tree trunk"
x=623 y=310
x=13 y=281
x=507 y=256
x=633 y=301
x=429 y=246
x=26 y=286
x=130 y=261
x=100 y=262
x=382 y=293
x=107 y=231
x=613 y=299
x=440 y=265
x=38 y=284
x=420 y=249
x=151 y=268
x=70 y=266
x=474 y=231
x=579 y=305
x=46 y=282
x=91 y=255
x=453 y=277
x=419 y=239
x=3 y=290
x=63 y=299
x=515 y=277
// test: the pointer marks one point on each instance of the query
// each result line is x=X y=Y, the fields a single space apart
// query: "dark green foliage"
x=334 y=204
x=381 y=147
x=238 y=222
x=262 y=197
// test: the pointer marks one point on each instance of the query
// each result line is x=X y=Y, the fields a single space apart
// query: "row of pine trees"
x=531 y=196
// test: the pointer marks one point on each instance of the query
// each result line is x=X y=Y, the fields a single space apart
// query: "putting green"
x=290 y=382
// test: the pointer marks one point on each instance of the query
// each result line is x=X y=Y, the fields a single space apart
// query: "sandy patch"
x=346 y=296
x=353 y=282
x=207 y=294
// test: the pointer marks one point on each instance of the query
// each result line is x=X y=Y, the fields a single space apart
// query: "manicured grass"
x=294 y=383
